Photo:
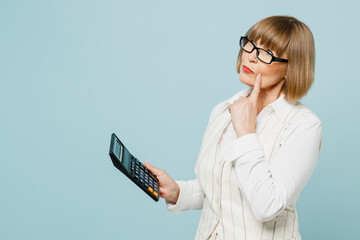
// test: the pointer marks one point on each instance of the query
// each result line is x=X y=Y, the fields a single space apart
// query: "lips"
x=247 y=70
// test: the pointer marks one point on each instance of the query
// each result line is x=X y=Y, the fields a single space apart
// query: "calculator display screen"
x=118 y=150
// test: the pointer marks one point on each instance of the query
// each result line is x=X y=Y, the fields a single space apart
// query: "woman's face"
x=273 y=75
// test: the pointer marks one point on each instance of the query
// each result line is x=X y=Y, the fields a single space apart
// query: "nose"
x=253 y=56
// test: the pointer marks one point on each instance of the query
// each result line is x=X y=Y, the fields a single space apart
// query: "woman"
x=261 y=146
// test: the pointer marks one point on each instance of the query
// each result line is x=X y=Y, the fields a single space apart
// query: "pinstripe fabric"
x=226 y=213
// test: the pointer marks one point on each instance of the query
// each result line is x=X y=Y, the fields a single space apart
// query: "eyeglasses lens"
x=248 y=46
x=264 y=56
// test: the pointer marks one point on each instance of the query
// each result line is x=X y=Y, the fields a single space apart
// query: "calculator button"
x=155 y=193
x=150 y=189
x=154 y=177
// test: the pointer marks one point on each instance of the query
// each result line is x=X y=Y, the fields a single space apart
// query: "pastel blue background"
x=73 y=72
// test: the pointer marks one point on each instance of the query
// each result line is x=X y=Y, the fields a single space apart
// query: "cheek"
x=272 y=75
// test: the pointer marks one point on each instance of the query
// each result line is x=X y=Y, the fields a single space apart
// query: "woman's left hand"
x=244 y=111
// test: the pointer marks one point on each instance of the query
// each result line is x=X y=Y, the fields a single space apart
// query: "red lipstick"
x=247 y=70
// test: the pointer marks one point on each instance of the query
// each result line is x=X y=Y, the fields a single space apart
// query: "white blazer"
x=248 y=187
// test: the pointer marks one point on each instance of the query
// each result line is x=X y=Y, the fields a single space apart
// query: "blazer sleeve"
x=269 y=189
x=191 y=197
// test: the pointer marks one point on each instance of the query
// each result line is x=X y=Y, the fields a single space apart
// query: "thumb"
x=148 y=166
x=256 y=89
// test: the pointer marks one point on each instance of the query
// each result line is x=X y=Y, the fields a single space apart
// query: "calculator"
x=129 y=165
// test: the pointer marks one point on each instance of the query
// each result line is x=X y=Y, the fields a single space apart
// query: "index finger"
x=256 y=89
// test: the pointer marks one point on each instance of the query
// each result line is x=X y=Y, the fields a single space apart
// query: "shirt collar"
x=280 y=106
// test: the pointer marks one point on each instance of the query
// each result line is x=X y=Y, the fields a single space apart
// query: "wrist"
x=174 y=194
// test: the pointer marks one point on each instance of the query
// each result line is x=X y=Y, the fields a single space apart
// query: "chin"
x=245 y=79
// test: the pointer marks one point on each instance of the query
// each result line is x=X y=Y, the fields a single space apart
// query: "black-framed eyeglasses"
x=266 y=56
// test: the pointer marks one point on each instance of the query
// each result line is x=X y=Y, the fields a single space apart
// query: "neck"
x=268 y=96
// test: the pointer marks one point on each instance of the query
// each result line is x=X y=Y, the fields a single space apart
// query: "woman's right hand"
x=168 y=188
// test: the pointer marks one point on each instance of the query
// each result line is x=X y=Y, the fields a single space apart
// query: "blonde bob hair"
x=285 y=34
